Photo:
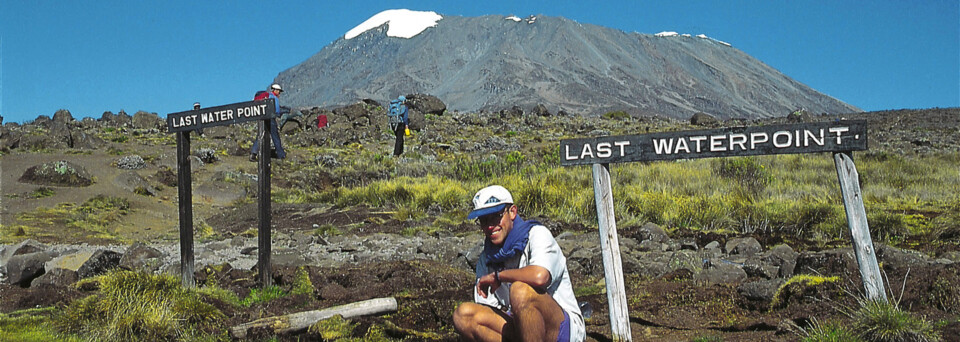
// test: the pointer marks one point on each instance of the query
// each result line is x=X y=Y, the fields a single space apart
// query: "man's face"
x=497 y=226
x=276 y=92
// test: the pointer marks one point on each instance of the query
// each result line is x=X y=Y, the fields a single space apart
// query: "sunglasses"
x=491 y=219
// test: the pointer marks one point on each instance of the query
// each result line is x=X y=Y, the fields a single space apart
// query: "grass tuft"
x=135 y=306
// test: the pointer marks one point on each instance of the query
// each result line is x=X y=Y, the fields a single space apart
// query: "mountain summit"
x=496 y=62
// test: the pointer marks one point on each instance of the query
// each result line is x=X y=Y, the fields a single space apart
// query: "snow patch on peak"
x=514 y=18
x=402 y=23
x=666 y=34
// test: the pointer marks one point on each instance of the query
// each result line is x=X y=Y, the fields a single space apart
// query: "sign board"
x=221 y=115
x=836 y=136
x=840 y=137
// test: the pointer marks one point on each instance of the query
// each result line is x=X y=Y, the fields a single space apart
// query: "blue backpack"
x=395 y=114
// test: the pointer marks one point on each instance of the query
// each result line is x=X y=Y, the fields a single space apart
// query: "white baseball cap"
x=489 y=200
x=276 y=86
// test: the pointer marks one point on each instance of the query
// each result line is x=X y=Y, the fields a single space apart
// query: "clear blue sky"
x=161 y=56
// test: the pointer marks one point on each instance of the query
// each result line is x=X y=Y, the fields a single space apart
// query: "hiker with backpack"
x=399 y=122
x=274 y=93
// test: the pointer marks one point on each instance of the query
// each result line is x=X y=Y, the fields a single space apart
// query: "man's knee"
x=522 y=295
x=465 y=315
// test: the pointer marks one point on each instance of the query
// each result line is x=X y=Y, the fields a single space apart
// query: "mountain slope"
x=491 y=63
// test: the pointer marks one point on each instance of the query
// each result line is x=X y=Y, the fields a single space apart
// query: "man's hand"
x=487 y=284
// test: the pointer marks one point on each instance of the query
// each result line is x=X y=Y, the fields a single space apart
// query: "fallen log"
x=301 y=320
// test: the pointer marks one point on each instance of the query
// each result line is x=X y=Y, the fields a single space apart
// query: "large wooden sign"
x=834 y=136
x=182 y=124
x=221 y=115
x=839 y=137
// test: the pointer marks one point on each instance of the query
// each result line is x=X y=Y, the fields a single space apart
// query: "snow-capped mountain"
x=496 y=62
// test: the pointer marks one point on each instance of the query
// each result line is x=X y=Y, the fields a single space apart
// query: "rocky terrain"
x=682 y=285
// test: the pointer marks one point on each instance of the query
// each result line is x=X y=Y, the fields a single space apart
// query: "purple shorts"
x=564 y=334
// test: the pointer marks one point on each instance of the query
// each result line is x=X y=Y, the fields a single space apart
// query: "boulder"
x=133 y=182
x=86 y=263
x=513 y=112
x=426 y=104
x=541 y=110
x=743 y=246
x=207 y=155
x=58 y=173
x=829 y=262
x=56 y=277
x=21 y=269
x=57 y=139
x=24 y=247
x=761 y=290
x=757 y=268
x=115 y=120
x=784 y=258
x=63 y=117
x=361 y=113
x=704 y=119
x=41 y=121
x=898 y=258
x=88 y=123
x=83 y=141
x=141 y=257
x=9 y=138
x=721 y=273
x=134 y=162
x=144 y=120
x=652 y=232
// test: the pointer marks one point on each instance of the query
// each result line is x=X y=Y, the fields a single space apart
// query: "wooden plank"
x=610 y=247
x=185 y=201
x=859 y=229
x=303 y=320
x=263 y=199
x=833 y=136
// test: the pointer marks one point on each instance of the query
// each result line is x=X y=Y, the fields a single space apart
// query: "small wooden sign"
x=221 y=115
x=835 y=136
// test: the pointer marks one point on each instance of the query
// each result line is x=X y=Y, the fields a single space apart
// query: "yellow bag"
x=406 y=131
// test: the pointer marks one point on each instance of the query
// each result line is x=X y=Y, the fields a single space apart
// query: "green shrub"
x=333 y=328
x=883 y=321
x=135 y=306
x=259 y=296
x=42 y=192
x=301 y=283
x=831 y=331
x=746 y=171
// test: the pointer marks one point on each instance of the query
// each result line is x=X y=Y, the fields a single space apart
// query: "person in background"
x=274 y=93
x=196 y=105
x=399 y=111
x=523 y=290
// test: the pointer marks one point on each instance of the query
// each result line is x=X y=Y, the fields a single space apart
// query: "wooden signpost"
x=182 y=124
x=839 y=137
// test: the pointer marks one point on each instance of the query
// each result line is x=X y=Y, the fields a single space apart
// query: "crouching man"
x=523 y=290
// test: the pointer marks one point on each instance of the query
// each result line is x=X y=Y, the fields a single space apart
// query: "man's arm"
x=536 y=276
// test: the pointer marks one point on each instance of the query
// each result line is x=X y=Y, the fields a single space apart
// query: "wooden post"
x=610 y=247
x=859 y=230
x=263 y=231
x=186 y=209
